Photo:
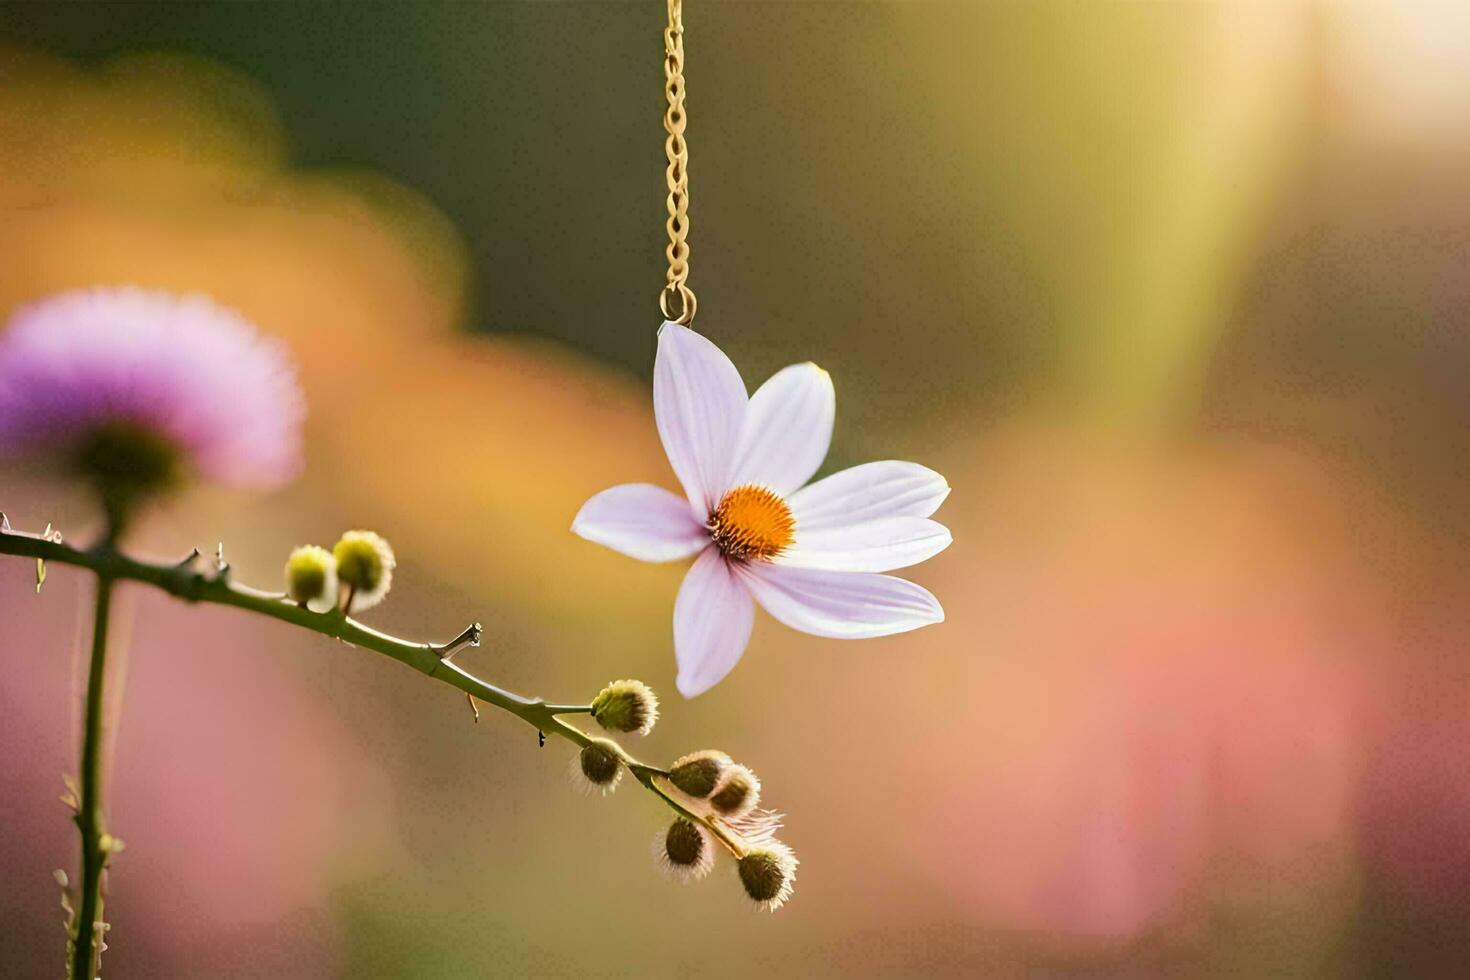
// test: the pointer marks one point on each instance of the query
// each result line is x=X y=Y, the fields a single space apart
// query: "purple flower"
x=137 y=390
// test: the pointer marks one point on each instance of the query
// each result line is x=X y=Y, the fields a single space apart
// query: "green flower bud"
x=364 y=568
x=626 y=706
x=684 y=852
x=698 y=773
x=311 y=578
x=768 y=874
x=598 y=767
x=737 y=794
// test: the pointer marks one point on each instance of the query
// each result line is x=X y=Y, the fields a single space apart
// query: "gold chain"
x=676 y=300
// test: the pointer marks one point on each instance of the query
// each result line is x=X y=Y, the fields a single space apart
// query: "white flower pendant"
x=809 y=554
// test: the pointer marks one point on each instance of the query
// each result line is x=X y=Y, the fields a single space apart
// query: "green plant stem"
x=91 y=823
x=185 y=581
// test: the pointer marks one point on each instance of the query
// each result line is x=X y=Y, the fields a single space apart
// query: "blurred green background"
x=1173 y=293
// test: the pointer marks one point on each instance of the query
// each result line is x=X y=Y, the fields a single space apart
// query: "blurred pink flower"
x=1167 y=667
x=193 y=375
x=808 y=555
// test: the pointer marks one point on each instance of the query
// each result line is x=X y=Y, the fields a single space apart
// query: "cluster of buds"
x=355 y=575
x=717 y=799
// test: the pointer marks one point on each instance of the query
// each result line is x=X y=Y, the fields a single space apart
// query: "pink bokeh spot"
x=238 y=795
x=1173 y=713
x=1147 y=779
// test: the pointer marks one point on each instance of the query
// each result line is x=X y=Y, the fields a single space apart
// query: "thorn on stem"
x=189 y=559
x=470 y=637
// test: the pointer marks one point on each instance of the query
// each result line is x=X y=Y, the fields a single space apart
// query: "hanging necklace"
x=810 y=554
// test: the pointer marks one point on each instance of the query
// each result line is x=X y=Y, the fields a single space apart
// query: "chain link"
x=676 y=300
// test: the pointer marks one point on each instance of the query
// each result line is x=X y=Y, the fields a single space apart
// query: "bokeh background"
x=1175 y=294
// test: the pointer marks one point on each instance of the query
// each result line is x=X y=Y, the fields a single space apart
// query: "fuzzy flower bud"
x=768 y=874
x=684 y=852
x=737 y=794
x=364 y=568
x=598 y=767
x=311 y=578
x=626 y=706
x=698 y=773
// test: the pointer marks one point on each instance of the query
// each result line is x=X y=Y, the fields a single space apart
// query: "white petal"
x=787 y=430
x=699 y=404
x=887 y=488
x=874 y=546
x=642 y=521
x=842 y=605
x=712 y=620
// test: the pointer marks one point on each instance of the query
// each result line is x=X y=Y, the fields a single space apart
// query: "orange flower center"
x=751 y=523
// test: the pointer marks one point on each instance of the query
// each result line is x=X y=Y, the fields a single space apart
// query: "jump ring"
x=687 y=303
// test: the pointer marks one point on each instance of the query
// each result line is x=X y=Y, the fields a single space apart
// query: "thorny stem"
x=183 y=581
x=96 y=843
